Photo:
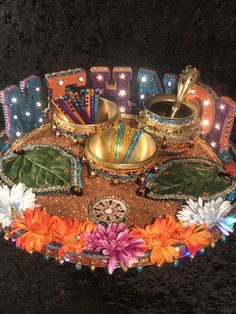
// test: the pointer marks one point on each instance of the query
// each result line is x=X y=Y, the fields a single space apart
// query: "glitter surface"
x=141 y=210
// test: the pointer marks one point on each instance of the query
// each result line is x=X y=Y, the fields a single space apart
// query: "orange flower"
x=194 y=237
x=35 y=225
x=70 y=233
x=159 y=239
x=162 y=236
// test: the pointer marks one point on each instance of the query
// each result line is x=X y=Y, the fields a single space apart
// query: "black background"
x=37 y=37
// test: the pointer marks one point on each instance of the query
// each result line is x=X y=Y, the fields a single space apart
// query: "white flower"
x=210 y=213
x=14 y=201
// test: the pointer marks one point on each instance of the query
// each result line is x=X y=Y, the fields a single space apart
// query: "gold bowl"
x=107 y=114
x=142 y=158
x=173 y=135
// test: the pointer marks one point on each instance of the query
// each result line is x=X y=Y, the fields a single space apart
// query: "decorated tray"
x=135 y=189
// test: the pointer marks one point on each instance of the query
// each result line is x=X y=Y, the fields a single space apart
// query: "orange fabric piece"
x=57 y=90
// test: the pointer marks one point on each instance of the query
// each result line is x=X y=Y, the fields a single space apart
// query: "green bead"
x=139 y=269
x=78 y=267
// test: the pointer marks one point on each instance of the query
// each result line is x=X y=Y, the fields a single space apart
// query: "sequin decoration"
x=58 y=81
x=219 y=139
x=108 y=209
x=119 y=92
x=4 y=144
x=170 y=83
x=22 y=107
x=149 y=84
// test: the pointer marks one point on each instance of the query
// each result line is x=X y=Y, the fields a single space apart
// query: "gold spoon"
x=187 y=79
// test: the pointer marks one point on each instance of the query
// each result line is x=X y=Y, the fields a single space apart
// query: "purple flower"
x=115 y=242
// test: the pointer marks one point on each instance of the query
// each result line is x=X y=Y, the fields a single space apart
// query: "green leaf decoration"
x=40 y=167
x=191 y=178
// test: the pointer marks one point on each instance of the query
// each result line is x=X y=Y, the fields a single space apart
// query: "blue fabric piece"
x=22 y=107
x=149 y=84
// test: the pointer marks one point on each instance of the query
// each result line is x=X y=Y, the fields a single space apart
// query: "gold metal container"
x=142 y=157
x=107 y=114
x=173 y=135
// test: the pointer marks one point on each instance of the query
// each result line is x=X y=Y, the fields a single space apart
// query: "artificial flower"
x=69 y=233
x=160 y=239
x=210 y=213
x=35 y=227
x=163 y=237
x=14 y=201
x=195 y=238
x=115 y=242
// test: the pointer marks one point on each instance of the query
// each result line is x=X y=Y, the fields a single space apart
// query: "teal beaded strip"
x=156 y=118
x=119 y=140
x=79 y=170
x=132 y=146
x=123 y=178
x=74 y=135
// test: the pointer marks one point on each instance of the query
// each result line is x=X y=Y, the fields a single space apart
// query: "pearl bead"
x=58 y=134
x=75 y=141
x=92 y=267
x=54 y=128
x=93 y=174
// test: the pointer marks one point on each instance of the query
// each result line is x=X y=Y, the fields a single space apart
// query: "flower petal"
x=112 y=263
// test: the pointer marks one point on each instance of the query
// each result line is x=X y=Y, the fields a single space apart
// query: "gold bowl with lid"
x=173 y=135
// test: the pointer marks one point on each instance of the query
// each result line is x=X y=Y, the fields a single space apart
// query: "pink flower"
x=115 y=242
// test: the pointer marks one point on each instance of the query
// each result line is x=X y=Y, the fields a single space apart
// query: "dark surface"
x=43 y=36
x=203 y=285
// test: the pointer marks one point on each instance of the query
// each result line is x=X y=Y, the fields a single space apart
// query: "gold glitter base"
x=142 y=211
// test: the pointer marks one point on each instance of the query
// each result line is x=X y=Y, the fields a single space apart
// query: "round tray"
x=142 y=211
